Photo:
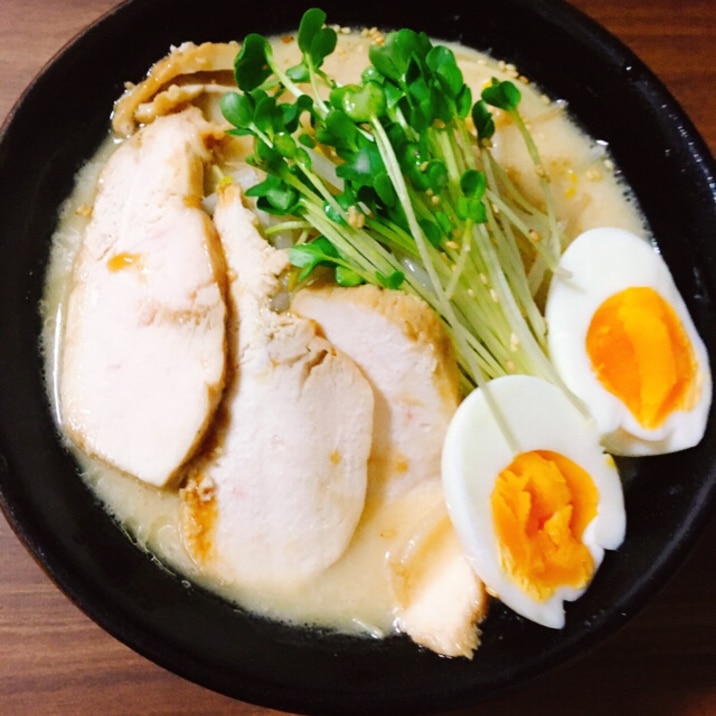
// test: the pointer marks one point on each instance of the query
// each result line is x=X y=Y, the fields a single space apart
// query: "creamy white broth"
x=358 y=593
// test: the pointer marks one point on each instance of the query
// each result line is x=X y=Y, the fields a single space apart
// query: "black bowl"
x=58 y=124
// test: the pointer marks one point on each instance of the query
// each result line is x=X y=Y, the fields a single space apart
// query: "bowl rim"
x=35 y=538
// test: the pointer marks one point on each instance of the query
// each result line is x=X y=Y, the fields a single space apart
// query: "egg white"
x=597 y=264
x=511 y=415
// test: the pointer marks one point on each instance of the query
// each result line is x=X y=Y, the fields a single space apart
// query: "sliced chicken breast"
x=440 y=600
x=144 y=342
x=280 y=496
x=401 y=347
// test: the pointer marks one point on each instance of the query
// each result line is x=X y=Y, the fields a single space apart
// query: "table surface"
x=54 y=660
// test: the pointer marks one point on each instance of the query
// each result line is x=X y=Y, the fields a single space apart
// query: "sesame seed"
x=356 y=218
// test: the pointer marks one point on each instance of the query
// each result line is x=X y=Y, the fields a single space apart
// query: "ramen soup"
x=370 y=547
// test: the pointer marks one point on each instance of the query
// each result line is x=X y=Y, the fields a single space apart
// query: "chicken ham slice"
x=279 y=498
x=144 y=343
x=401 y=347
x=440 y=600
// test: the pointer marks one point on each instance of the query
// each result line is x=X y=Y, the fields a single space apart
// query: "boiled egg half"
x=622 y=340
x=533 y=497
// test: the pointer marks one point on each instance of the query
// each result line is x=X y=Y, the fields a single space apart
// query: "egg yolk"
x=641 y=353
x=541 y=504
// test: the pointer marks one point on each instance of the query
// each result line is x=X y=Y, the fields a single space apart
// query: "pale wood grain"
x=55 y=661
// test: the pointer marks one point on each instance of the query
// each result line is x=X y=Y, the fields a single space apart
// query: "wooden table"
x=54 y=660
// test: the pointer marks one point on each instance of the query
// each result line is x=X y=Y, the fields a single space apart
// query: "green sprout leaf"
x=444 y=66
x=360 y=103
x=394 y=57
x=275 y=196
x=347 y=277
x=473 y=183
x=319 y=252
x=502 y=94
x=239 y=110
x=251 y=67
x=314 y=39
x=393 y=281
x=363 y=166
x=483 y=120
